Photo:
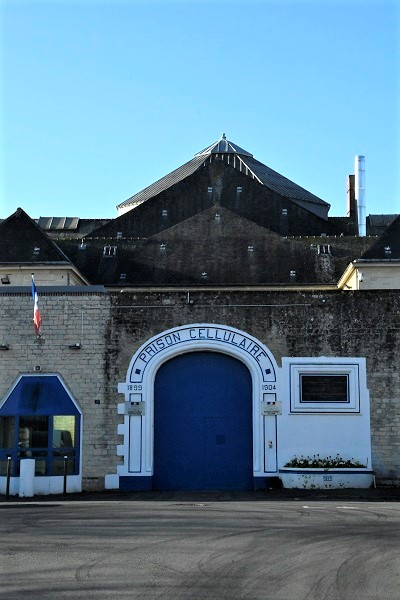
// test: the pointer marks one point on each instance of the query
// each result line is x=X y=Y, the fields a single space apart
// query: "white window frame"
x=321 y=366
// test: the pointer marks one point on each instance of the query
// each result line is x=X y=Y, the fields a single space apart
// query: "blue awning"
x=39 y=395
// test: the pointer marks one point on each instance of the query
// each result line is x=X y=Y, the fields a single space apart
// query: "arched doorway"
x=203 y=423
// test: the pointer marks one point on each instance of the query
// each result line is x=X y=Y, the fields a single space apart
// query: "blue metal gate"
x=203 y=424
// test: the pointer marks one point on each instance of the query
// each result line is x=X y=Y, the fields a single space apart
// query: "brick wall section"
x=66 y=319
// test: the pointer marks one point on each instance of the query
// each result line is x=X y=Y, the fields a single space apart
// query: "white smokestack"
x=359 y=169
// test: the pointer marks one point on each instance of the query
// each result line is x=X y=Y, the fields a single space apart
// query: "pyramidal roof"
x=237 y=158
x=223 y=146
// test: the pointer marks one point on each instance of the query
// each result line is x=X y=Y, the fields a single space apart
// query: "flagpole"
x=37 y=319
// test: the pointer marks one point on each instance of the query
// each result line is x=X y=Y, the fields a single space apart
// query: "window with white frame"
x=322 y=387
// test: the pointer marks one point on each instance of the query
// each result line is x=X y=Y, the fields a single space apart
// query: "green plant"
x=330 y=462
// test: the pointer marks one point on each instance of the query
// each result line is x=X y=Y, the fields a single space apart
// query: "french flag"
x=37 y=319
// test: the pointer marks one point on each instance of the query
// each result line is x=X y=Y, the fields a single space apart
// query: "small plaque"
x=271 y=409
x=135 y=409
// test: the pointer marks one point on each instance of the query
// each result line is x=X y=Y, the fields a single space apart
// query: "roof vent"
x=110 y=250
x=209 y=189
x=119 y=235
x=250 y=248
x=5 y=280
x=388 y=250
x=36 y=251
x=239 y=189
x=164 y=213
x=217 y=217
x=292 y=275
x=204 y=275
x=284 y=212
x=324 y=249
x=122 y=276
x=162 y=246
x=82 y=245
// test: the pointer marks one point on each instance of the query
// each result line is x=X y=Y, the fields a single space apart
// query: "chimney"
x=359 y=167
x=351 y=198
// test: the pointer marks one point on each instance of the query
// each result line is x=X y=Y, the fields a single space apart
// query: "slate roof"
x=387 y=246
x=164 y=183
x=69 y=226
x=281 y=184
x=212 y=248
x=376 y=224
x=245 y=162
x=24 y=242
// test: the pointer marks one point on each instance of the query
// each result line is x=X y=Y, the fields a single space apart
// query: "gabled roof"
x=23 y=241
x=387 y=247
x=240 y=159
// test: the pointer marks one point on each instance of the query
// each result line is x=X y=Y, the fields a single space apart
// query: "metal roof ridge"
x=223 y=146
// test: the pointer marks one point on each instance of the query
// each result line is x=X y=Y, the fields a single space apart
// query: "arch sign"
x=138 y=408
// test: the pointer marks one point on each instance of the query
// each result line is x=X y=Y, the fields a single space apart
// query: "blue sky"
x=100 y=99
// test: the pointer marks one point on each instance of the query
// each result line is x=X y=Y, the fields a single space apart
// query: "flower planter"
x=323 y=479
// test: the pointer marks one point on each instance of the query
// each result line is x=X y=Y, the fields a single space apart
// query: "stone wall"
x=359 y=324
x=111 y=327
x=67 y=318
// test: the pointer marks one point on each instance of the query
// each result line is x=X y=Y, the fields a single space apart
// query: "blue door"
x=203 y=424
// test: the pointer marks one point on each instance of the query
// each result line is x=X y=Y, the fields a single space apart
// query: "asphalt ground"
x=277 y=545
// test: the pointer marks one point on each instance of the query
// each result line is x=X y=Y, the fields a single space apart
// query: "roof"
x=281 y=184
x=164 y=183
x=56 y=227
x=387 y=246
x=376 y=224
x=223 y=146
x=215 y=247
x=58 y=222
x=23 y=241
x=241 y=160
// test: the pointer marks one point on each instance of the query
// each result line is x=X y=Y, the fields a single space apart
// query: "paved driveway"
x=200 y=550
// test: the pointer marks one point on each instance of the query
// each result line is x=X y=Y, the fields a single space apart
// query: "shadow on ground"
x=379 y=494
